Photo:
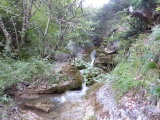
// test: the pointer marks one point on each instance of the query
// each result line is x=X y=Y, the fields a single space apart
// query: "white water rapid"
x=92 y=56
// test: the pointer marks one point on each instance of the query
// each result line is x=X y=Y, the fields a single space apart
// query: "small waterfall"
x=78 y=93
x=92 y=56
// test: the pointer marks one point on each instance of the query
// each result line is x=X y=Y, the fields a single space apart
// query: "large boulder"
x=64 y=77
x=62 y=57
x=104 y=60
x=75 y=49
x=112 y=47
x=25 y=114
x=45 y=106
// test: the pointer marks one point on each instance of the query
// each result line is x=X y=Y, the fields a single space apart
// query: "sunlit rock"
x=44 y=106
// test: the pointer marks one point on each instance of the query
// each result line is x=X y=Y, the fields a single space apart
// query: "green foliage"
x=124 y=78
x=52 y=79
x=78 y=62
x=90 y=74
x=147 y=66
x=158 y=9
x=5 y=98
x=136 y=3
x=12 y=71
x=156 y=33
x=144 y=3
x=139 y=67
x=155 y=91
x=44 y=27
x=109 y=17
x=28 y=52
x=148 y=62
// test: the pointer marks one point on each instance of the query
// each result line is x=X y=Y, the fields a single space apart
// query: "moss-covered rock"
x=62 y=77
x=66 y=78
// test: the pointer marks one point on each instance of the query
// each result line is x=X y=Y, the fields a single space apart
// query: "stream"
x=96 y=102
x=66 y=105
x=70 y=105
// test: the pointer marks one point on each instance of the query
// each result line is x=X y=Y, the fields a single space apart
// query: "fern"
x=147 y=66
x=155 y=90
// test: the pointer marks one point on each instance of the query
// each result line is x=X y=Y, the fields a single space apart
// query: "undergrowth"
x=13 y=71
x=90 y=74
x=140 y=67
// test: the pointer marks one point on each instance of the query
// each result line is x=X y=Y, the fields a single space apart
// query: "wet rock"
x=81 y=67
x=17 y=88
x=99 y=104
x=127 y=108
x=158 y=104
x=29 y=96
x=89 y=113
x=44 y=106
x=30 y=115
x=104 y=60
x=27 y=115
x=62 y=57
x=103 y=57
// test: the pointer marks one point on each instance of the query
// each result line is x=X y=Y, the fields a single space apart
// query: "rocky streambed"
x=96 y=103
x=68 y=98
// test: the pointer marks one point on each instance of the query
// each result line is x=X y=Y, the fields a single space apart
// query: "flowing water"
x=69 y=105
x=94 y=103
x=92 y=56
x=74 y=102
x=98 y=104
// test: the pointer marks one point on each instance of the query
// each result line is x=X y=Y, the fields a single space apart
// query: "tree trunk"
x=7 y=35
x=55 y=47
x=27 y=8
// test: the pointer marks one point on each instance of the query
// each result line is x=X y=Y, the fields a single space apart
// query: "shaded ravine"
x=96 y=102
x=74 y=108
x=66 y=106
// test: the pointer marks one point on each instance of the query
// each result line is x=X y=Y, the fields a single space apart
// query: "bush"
x=12 y=71
x=90 y=74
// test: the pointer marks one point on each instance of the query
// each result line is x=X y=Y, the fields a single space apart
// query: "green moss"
x=78 y=78
x=94 y=87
